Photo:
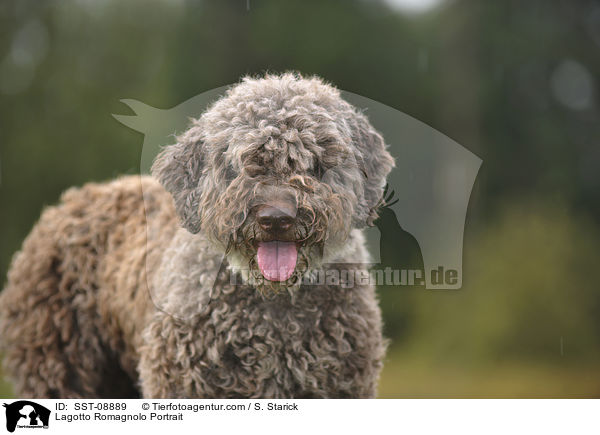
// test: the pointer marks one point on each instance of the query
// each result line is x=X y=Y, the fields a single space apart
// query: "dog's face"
x=276 y=174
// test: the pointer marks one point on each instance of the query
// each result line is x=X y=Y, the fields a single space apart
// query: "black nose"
x=274 y=219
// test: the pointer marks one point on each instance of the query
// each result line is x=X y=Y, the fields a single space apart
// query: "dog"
x=199 y=281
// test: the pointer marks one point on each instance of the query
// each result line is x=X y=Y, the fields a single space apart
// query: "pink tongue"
x=277 y=260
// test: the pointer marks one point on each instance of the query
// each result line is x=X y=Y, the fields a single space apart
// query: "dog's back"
x=64 y=327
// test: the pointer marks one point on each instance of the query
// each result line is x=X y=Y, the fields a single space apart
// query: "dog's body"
x=110 y=297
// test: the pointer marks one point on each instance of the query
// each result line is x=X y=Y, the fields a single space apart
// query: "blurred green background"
x=515 y=82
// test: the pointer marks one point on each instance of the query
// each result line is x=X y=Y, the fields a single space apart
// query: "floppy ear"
x=178 y=168
x=375 y=163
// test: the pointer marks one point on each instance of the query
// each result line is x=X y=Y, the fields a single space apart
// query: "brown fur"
x=109 y=297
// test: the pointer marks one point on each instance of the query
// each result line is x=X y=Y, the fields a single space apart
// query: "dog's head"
x=276 y=174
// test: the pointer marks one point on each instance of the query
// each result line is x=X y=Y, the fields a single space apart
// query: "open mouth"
x=277 y=259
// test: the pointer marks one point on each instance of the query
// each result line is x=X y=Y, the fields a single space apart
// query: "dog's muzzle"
x=277 y=254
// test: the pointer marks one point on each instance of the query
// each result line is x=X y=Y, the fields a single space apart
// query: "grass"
x=5 y=389
x=406 y=376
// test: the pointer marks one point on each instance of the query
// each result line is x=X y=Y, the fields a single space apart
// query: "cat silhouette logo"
x=26 y=414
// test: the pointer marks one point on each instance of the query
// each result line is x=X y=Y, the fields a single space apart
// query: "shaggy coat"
x=150 y=286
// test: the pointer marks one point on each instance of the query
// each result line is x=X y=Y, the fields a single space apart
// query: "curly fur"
x=76 y=316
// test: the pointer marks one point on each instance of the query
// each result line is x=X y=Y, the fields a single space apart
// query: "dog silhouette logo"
x=26 y=414
x=422 y=219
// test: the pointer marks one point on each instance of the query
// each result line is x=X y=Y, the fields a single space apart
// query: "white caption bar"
x=297 y=416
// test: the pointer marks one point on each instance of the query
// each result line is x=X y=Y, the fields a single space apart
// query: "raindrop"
x=30 y=43
x=28 y=49
x=572 y=85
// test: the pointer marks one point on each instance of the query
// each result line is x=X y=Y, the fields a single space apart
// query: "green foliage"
x=5 y=389
x=529 y=295
x=525 y=323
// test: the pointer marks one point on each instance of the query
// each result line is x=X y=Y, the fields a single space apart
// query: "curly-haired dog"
x=279 y=175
